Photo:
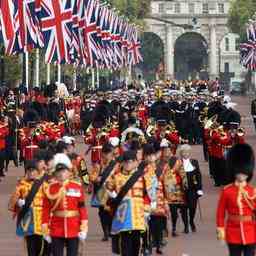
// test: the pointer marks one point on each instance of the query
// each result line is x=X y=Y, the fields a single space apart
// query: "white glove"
x=200 y=192
x=112 y=194
x=82 y=235
x=153 y=205
x=21 y=202
x=48 y=239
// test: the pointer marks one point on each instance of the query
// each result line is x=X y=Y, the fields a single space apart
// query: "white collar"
x=188 y=167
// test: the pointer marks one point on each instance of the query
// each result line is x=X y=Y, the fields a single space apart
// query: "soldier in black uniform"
x=253 y=111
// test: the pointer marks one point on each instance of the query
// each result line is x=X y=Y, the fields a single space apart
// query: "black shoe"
x=104 y=239
x=159 y=251
x=2 y=174
x=193 y=227
x=186 y=230
x=174 y=234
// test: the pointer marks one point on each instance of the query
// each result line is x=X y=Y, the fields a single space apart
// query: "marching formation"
x=137 y=167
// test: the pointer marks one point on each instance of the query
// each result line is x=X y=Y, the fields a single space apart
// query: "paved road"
x=202 y=243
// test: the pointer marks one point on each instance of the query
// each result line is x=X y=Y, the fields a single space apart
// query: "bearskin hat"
x=215 y=108
x=240 y=159
x=233 y=119
x=161 y=111
x=101 y=114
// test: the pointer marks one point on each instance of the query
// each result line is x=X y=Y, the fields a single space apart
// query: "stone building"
x=205 y=48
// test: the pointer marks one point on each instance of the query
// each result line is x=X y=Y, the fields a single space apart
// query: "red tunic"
x=239 y=228
x=4 y=131
x=72 y=201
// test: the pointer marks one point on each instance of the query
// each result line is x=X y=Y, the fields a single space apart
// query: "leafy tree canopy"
x=240 y=12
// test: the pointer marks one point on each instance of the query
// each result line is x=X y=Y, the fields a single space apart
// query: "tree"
x=134 y=10
x=240 y=12
x=152 y=51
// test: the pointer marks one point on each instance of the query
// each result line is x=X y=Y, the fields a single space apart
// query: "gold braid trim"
x=57 y=196
x=248 y=198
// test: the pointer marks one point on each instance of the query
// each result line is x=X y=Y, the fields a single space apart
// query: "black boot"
x=186 y=230
x=159 y=251
x=174 y=233
x=193 y=226
x=2 y=174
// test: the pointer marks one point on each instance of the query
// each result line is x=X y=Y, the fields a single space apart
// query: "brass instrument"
x=211 y=123
x=151 y=130
x=170 y=128
x=158 y=92
x=203 y=115
x=240 y=131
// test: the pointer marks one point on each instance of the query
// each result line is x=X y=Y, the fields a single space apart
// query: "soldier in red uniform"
x=4 y=130
x=236 y=208
x=64 y=217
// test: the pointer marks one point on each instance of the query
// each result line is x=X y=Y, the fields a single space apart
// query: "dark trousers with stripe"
x=37 y=246
x=58 y=244
x=157 y=226
x=241 y=250
x=130 y=243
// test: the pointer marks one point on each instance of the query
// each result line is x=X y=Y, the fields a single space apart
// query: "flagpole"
x=97 y=78
x=59 y=73
x=93 y=79
x=37 y=67
x=48 y=73
x=26 y=70
x=74 y=78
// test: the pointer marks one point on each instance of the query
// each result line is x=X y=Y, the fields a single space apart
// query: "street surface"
x=202 y=243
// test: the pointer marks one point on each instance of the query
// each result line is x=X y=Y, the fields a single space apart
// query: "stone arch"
x=152 y=48
x=190 y=56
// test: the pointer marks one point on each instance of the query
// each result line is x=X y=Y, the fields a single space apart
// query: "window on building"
x=237 y=44
x=226 y=67
x=177 y=8
x=226 y=44
x=221 y=7
x=205 y=8
x=161 y=8
x=191 y=8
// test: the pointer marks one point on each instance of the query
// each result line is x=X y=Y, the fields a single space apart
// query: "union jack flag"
x=248 y=49
x=7 y=24
x=134 y=49
x=56 y=24
x=27 y=25
x=88 y=32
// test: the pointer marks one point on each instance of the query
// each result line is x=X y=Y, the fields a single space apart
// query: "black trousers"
x=37 y=246
x=130 y=243
x=174 y=214
x=115 y=244
x=105 y=220
x=219 y=170
x=192 y=199
x=157 y=226
x=2 y=159
x=58 y=244
x=241 y=250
